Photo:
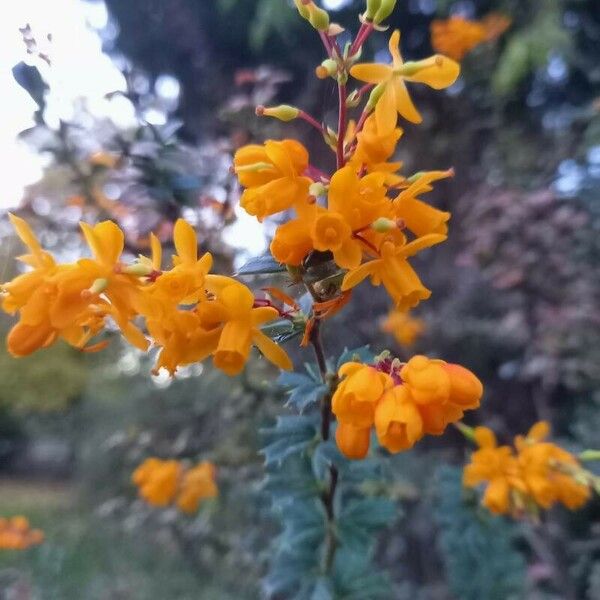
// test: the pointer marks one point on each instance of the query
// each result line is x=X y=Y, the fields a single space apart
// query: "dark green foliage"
x=325 y=548
x=478 y=548
x=303 y=390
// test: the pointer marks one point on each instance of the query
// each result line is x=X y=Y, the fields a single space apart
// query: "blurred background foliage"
x=516 y=297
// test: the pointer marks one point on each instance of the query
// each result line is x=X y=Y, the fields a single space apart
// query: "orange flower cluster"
x=403 y=402
x=535 y=473
x=457 y=36
x=369 y=217
x=16 y=534
x=165 y=482
x=189 y=313
x=405 y=329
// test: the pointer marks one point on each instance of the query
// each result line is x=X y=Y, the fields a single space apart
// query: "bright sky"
x=79 y=69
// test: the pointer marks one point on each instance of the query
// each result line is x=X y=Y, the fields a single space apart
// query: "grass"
x=86 y=558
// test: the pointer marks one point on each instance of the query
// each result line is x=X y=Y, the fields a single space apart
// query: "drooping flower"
x=436 y=71
x=548 y=470
x=17 y=534
x=496 y=466
x=398 y=422
x=539 y=474
x=405 y=328
x=403 y=402
x=353 y=442
x=162 y=483
x=273 y=176
x=234 y=308
x=419 y=217
x=374 y=149
x=158 y=480
x=197 y=484
x=394 y=271
x=457 y=36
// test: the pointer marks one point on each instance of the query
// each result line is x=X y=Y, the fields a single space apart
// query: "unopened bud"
x=372 y=8
x=328 y=68
x=302 y=9
x=252 y=168
x=137 y=269
x=319 y=19
x=386 y=7
x=317 y=189
x=353 y=99
x=96 y=288
x=374 y=96
x=588 y=455
x=283 y=112
x=316 y=16
x=383 y=225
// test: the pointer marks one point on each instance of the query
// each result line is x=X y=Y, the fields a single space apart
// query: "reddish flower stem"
x=312 y=121
x=327 y=43
x=316 y=174
x=343 y=94
x=361 y=37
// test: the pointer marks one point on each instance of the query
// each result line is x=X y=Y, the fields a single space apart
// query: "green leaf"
x=261 y=265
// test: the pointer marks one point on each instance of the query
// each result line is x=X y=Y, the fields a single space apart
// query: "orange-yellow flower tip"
x=353 y=442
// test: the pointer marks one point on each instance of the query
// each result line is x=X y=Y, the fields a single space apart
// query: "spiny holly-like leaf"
x=283 y=330
x=290 y=435
x=323 y=590
x=302 y=390
x=261 y=265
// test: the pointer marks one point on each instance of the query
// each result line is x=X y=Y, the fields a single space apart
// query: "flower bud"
x=372 y=8
x=374 y=96
x=328 y=68
x=353 y=99
x=386 y=8
x=316 y=16
x=383 y=225
x=317 y=189
x=283 y=112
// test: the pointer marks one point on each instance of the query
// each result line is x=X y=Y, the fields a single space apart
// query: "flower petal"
x=272 y=352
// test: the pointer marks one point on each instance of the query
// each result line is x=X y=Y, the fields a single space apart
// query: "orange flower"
x=496 y=466
x=198 y=484
x=272 y=176
x=292 y=242
x=16 y=534
x=241 y=328
x=540 y=474
x=394 y=271
x=373 y=150
x=157 y=480
x=403 y=327
x=356 y=397
x=353 y=442
x=436 y=71
x=419 y=217
x=164 y=482
x=398 y=422
x=403 y=403
x=542 y=464
x=457 y=36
